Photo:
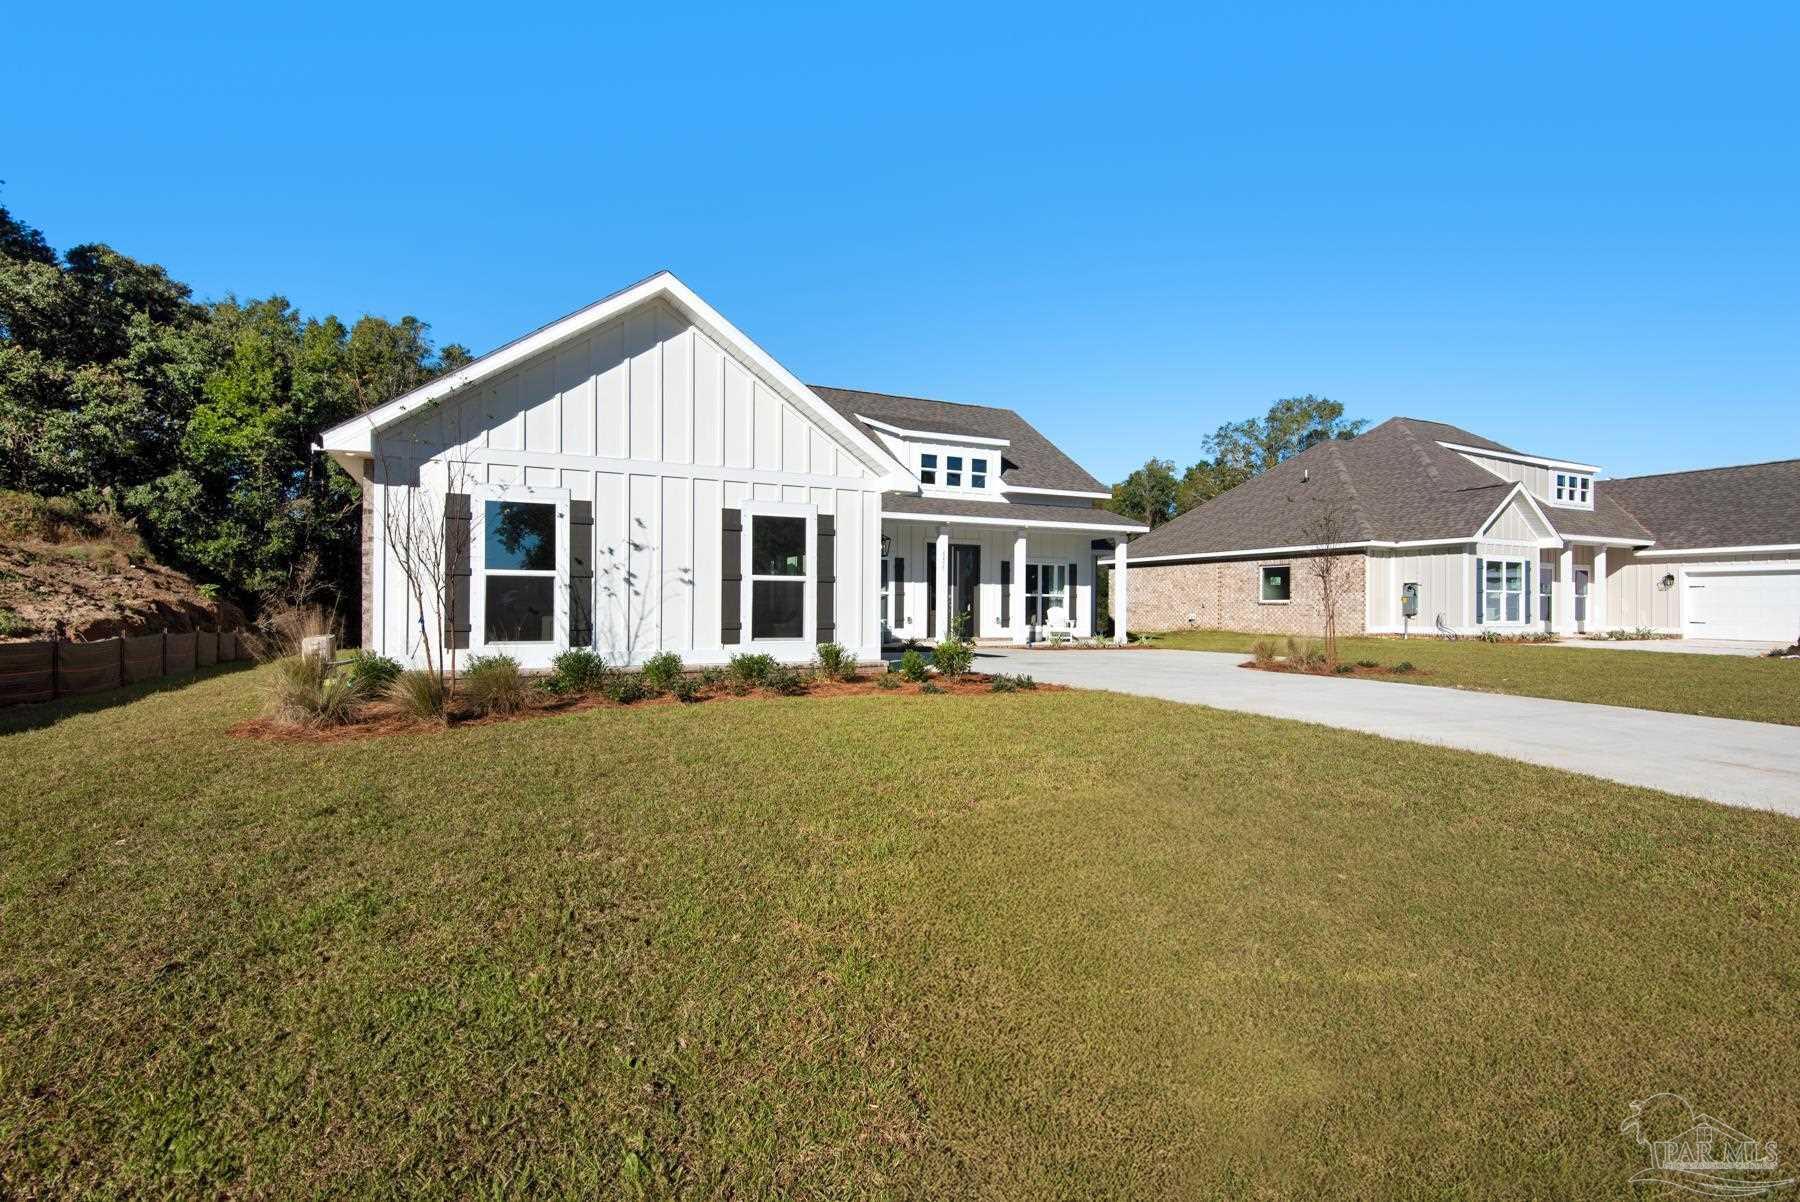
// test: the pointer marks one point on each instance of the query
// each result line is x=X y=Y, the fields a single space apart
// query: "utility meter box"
x=1409 y=600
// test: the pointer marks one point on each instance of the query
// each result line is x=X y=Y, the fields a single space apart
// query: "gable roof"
x=1752 y=505
x=356 y=436
x=1392 y=484
x=1031 y=460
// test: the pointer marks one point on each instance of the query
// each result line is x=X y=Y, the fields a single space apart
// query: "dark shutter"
x=731 y=576
x=899 y=587
x=1480 y=609
x=581 y=573
x=1005 y=592
x=456 y=567
x=1071 y=602
x=826 y=559
x=931 y=594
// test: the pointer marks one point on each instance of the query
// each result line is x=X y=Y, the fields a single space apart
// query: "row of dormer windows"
x=952 y=472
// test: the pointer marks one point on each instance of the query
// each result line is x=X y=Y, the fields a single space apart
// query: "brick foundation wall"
x=1224 y=596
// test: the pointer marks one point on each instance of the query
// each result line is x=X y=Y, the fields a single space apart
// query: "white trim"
x=1596 y=540
x=1257 y=551
x=357 y=436
x=531 y=653
x=809 y=616
x=1056 y=492
x=1518 y=489
x=1516 y=457
x=935 y=435
x=938 y=519
x=1738 y=569
x=1768 y=547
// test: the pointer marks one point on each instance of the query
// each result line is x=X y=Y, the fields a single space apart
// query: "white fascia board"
x=932 y=435
x=1759 y=550
x=1606 y=540
x=946 y=519
x=1056 y=492
x=1515 y=457
x=1519 y=489
x=1253 y=552
x=357 y=436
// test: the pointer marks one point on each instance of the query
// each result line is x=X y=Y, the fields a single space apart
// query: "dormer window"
x=927 y=468
x=1572 y=489
x=953 y=471
x=942 y=469
x=977 y=473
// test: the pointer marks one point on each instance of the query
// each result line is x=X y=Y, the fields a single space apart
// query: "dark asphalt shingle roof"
x=1752 y=505
x=949 y=507
x=1391 y=484
x=1030 y=460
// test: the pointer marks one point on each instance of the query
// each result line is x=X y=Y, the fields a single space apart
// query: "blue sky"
x=1573 y=228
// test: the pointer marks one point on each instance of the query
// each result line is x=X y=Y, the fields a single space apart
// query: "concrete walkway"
x=1755 y=765
x=1671 y=646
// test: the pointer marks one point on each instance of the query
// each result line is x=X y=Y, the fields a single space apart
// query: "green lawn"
x=1724 y=686
x=1035 y=945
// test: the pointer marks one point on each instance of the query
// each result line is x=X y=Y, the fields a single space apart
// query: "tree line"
x=1235 y=452
x=194 y=419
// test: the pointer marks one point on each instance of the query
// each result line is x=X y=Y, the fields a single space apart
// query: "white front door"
x=1581 y=596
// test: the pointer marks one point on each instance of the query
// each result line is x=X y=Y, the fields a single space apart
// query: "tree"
x=1148 y=494
x=1240 y=450
x=1326 y=524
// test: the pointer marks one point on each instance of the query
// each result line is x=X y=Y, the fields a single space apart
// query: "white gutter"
x=1761 y=550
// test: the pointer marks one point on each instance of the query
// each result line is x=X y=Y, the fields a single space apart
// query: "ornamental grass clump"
x=494 y=685
x=306 y=690
x=419 y=695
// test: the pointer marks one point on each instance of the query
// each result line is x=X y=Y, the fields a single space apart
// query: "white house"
x=639 y=477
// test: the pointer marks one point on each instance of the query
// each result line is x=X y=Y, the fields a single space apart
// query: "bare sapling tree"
x=1327 y=526
x=417 y=536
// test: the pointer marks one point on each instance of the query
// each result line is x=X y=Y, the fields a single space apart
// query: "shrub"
x=784 y=680
x=1265 y=650
x=578 y=670
x=1405 y=665
x=661 y=671
x=625 y=688
x=888 y=680
x=494 y=684
x=308 y=691
x=685 y=688
x=1367 y=663
x=1303 y=653
x=750 y=670
x=419 y=694
x=912 y=666
x=1011 y=684
x=1340 y=669
x=930 y=686
x=372 y=672
x=953 y=657
x=11 y=623
x=836 y=662
x=711 y=677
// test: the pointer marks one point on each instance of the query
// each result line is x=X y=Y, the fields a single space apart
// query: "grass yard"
x=1062 y=944
x=1723 y=686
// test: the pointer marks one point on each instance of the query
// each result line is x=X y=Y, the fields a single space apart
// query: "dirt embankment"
x=79 y=576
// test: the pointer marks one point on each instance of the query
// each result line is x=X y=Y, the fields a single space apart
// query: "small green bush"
x=750 y=670
x=685 y=688
x=372 y=672
x=836 y=662
x=11 y=623
x=912 y=666
x=1367 y=663
x=1011 y=684
x=494 y=684
x=953 y=657
x=661 y=671
x=888 y=680
x=784 y=680
x=930 y=686
x=1265 y=650
x=419 y=694
x=1341 y=669
x=578 y=670
x=1405 y=665
x=625 y=688
x=712 y=677
x=307 y=691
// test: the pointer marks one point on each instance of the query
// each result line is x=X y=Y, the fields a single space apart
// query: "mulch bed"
x=381 y=719
x=1381 y=671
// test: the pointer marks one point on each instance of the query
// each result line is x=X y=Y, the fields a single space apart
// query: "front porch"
x=1003 y=583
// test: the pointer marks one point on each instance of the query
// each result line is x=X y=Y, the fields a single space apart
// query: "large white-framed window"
x=1572 y=488
x=1503 y=597
x=519 y=597
x=1046 y=588
x=780 y=573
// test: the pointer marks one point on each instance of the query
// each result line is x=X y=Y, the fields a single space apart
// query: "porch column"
x=1597 y=591
x=1121 y=591
x=1562 y=601
x=943 y=584
x=1016 y=618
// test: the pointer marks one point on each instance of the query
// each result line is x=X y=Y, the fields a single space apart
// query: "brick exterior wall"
x=1224 y=595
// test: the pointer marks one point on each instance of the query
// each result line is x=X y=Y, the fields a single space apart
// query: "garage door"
x=1743 y=605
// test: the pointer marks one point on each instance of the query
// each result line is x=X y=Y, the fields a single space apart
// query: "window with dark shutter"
x=825 y=628
x=456 y=555
x=731 y=576
x=581 y=573
x=899 y=592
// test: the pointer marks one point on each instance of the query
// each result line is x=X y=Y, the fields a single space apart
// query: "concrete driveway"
x=1755 y=765
x=1672 y=646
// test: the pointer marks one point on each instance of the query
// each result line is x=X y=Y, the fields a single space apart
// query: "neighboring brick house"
x=1436 y=528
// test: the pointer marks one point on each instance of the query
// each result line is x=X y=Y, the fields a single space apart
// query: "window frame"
x=809 y=616
x=946 y=468
x=1528 y=599
x=530 y=652
x=1036 y=611
x=1572 y=490
x=1262 y=583
x=928 y=472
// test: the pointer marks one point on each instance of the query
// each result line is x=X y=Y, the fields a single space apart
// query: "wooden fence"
x=43 y=671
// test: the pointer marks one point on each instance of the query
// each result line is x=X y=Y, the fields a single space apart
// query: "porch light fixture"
x=1667 y=582
x=887 y=544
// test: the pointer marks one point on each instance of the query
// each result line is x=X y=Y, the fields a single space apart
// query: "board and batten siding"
x=661 y=429
x=1635 y=596
x=1517 y=523
x=1445 y=576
